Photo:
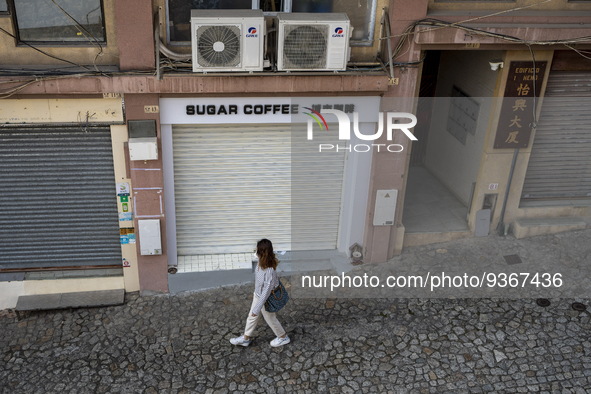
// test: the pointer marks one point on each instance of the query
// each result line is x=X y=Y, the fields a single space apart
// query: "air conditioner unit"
x=227 y=40
x=313 y=41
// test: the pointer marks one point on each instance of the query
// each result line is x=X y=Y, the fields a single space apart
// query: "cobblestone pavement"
x=179 y=344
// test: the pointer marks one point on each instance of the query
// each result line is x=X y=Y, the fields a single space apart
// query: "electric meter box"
x=150 y=240
x=385 y=208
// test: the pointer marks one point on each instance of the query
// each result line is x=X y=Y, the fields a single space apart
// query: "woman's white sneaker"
x=240 y=341
x=280 y=341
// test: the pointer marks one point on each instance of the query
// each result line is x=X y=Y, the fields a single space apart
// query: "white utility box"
x=385 y=208
x=150 y=240
x=143 y=148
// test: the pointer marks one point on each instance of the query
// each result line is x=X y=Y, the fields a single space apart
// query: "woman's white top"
x=265 y=280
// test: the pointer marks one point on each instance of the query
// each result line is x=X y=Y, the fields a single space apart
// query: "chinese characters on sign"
x=346 y=108
x=516 y=120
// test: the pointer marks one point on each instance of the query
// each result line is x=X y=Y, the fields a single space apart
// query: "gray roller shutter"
x=233 y=186
x=57 y=203
x=560 y=162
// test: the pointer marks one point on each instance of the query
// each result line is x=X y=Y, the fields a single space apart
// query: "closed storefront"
x=233 y=185
x=559 y=168
x=58 y=206
x=232 y=180
x=59 y=215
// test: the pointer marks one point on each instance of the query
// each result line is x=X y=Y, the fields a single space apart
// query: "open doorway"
x=453 y=113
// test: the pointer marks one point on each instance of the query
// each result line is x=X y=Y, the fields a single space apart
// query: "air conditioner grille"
x=218 y=46
x=305 y=46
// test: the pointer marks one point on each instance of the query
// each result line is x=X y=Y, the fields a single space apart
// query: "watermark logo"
x=344 y=122
x=252 y=32
x=318 y=118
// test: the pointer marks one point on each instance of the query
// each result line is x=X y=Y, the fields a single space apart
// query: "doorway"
x=453 y=113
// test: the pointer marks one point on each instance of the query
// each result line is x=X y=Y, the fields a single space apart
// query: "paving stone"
x=499 y=356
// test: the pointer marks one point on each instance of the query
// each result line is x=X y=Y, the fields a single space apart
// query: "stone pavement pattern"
x=179 y=344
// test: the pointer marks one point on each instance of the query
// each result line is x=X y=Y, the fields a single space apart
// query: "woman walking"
x=265 y=280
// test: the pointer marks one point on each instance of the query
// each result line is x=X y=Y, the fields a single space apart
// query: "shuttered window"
x=560 y=162
x=57 y=201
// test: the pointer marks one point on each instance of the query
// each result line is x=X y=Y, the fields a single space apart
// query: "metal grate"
x=57 y=208
x=559 y=167
x=218 y=46
x=305 y=46
x=222 y=175
x=513 y=259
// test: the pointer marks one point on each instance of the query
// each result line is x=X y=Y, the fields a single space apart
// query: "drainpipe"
x=501 y=228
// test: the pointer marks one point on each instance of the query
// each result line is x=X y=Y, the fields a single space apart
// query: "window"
x=3 y=6
x=361 y=14
x=61 y=21
x=179 y=14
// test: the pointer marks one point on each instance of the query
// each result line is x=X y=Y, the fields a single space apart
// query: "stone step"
x=70 y=300
x=529 y=227
x=427 y=238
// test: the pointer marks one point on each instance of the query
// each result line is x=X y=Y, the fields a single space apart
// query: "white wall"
x=456 y=165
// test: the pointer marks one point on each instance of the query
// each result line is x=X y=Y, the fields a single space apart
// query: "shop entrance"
x=453 y=114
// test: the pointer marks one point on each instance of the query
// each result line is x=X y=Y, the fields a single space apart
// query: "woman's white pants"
x=270 y=318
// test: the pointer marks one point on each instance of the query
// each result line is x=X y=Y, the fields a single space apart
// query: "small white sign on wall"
x=385 y=208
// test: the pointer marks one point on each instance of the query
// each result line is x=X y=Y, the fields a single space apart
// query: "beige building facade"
x=165 y=162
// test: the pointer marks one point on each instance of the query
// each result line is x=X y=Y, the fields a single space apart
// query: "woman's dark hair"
x=266 y=255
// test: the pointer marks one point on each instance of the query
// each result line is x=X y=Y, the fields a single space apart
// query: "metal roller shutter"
x=57 y=204
x=233 y=186
x=560 y=162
